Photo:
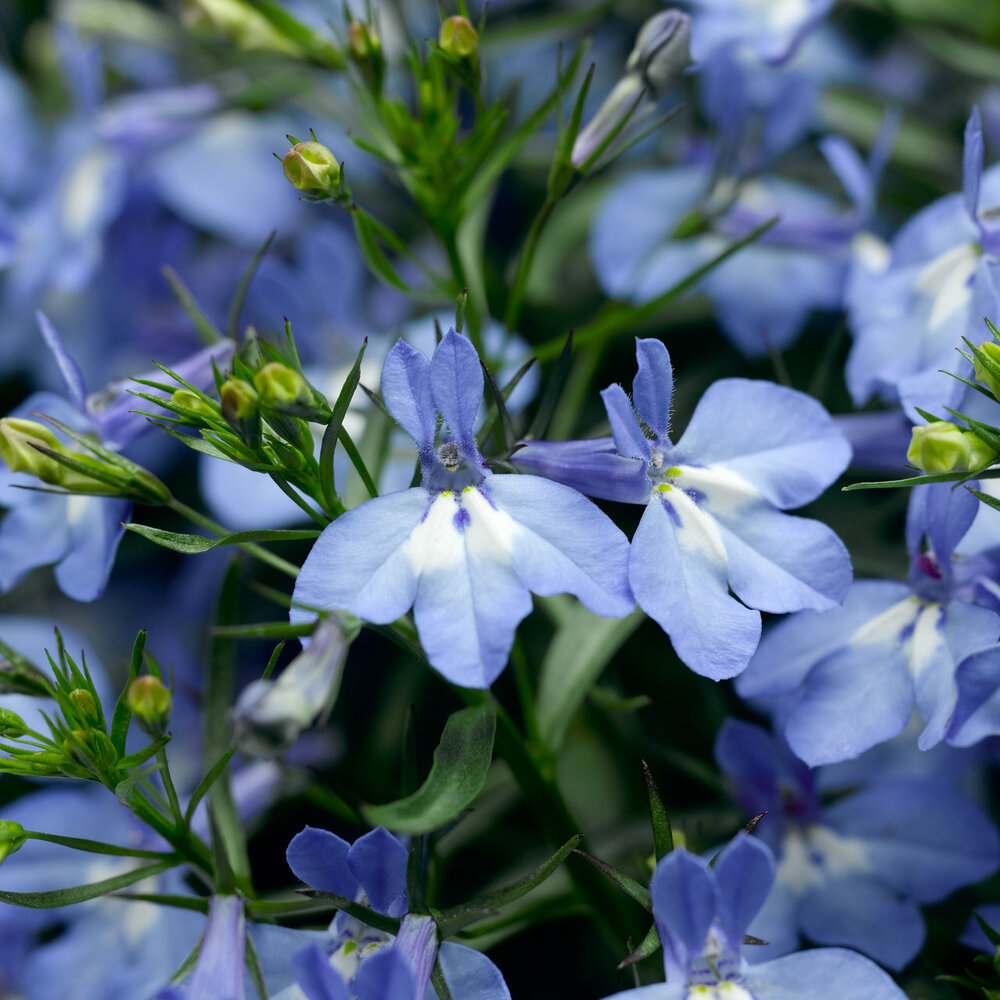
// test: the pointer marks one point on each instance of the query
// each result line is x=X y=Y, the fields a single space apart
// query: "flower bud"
x=192 y=401
x=18 y=441
x=18 y=675
x=279 y=385
x=11 y=724
x=86 y=707
x=237 y=21
x=239 y=399
x=150 y=702
x=12 y=837
x=363 y=41
x=992 y=351
x=661 y=52
x=458 y=37
x=310 y=166
x=941 y=447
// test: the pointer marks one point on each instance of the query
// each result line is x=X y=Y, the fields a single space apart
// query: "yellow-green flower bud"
x=192 y=401
x=239 y=399
x=310 y=166
x=18 y=438
x=150 y=702
x=86 y=707
x=992 y=350
x=279 y=385
x=237 y=21
x=11 y=724
x=458 y=37
x=941 y=447
x=12 y=837
x=363 y=41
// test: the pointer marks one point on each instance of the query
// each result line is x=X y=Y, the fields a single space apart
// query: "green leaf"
x=944 y=477
x=332 y=432
x=97 y=846
x=461 y=762
x=990 y=501
x=122 y=714
x=81 y=893
x=370 y=917
x=192 y=544
x=650 y=945
x=206 y=783
x=579 y=651
x=453 y=920
x=236 y=306
x=636 y=890
x=264 y=630
x=208 y=331
x=373 y=253
x=199 y=904
x=663 y=835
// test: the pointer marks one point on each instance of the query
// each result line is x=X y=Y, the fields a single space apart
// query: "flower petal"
x=378 y=862
x=457 y=385
x=320 y=859
x=629 y=439
x=653 y=385
x=744 y=872
x=315 y=976
x=823 y=972
x=470 y=974
x=685 y=894
x=677 y=570
x=96 y=526
x=406 y=389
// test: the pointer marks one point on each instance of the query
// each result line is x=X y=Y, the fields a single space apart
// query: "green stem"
x=458 y=271
x=168 y=784
x=258 y=551
x=516 y=300
x=180 y=839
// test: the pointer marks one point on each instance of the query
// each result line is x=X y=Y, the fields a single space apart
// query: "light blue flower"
x=713 y=501
x=852 y=872
x=844 y=680
x=702 y=913
x=466 y=548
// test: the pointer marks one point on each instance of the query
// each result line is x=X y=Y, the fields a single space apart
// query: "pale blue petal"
x=470 y=974
x=629 y=439
x=406 y=390
x=678 y=576
x=658 y=991
x=790 y=649
x=685 y=897
x=567 y=545
x=32 y=535
x=777 y=923
x=653 y=385
x=315 y=977
x=359 y=563
x=96 y=526
x=219 y=972
x=824 y=972
x=943 y=514
x=972 y=163
x=457 y=384
x=378 y=862
x=385 y=976
x=860 y=912
x=923 y=838
x=416 y=943
x=68 y=368
x=977 y=711
x=744 y=872
x=781 y=563
x=319 y=858
x=593 y=467
x=782 y=442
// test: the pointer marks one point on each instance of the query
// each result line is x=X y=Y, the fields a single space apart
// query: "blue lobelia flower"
x=80 y=534
x=465 y=548
x=845 y=680
x=218 y=974
x=713 y=501
x=910 y=304
x=357 y=962
x=701 y=914
x=852 y=872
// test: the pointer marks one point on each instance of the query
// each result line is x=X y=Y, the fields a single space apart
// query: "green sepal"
x=332 y=432
x=206 y=783
x=458 y=773
x=81 y=893
x=367 y=916
x=630 y=886
x=453 y=920
x=194 y=544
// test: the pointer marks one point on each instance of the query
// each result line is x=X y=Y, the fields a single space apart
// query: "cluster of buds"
x=941 y=447
x=30 y=447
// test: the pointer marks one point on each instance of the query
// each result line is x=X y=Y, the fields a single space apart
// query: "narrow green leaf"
x=206 y=783
x=208 y=331
x=370 y=917
x=264 y=630
x=581 y=648
x=944 y=477
x=193 y=544
x=990 y=501
x=372 y=252
x=553 y=390
x=649 y=945
x=455 y=919
x=636 y=890
x=236 y=306
x=663 y=835
x=332 y=432
x=461 y=762
x=81 y=893
x=97 y=846
x=199 y=904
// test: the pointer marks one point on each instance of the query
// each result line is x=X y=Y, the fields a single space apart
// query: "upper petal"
x=744 y=872
x=782 y=442
x=629 y=439
x=685 y=896
x=378 y=862
x=320 y=859
x=653 y=385
x=406 y=389
x=457 y=385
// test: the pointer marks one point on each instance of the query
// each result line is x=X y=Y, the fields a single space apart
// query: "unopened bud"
x=941 y=447
x=238 y=398
x=86 y=707
x=192 y=401
x=992 y=351
x=458 y=37
x=310 y=166
x=661 y=52
x=279 y=385
x=363 y=41
x=150 y=702
x=11 y=724
x=12 y=837
x=237 y=21
x=19 y=443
